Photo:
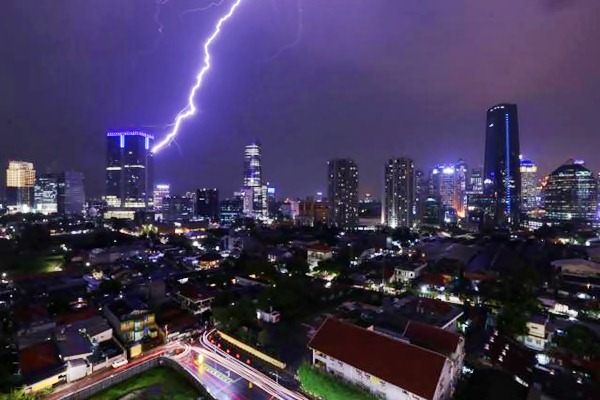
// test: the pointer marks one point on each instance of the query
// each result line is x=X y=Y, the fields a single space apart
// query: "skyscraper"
x=46 y=194
x=476 y=181
x=20 y=183
x=207 y=204
x=502 y=178
x=129 y=169
x=571 y=194
x=255 y=191
x=71 y=193
x=529 y=186
x=448 y=184
x=160 y=192
x=399 y=193
x=343 y=192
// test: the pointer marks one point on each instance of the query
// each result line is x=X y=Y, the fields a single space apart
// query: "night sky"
x=369 y=79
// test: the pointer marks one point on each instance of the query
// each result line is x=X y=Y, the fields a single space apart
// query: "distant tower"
x=502 y=177
x=571 y=194
x=129 y=173
x=46 y=194
x=71 y=193
x=343 y=193
x=160 y=192
x=20 y=183
x=399 y=196
x=529 y=186
x=207 y=204
x=255 y=192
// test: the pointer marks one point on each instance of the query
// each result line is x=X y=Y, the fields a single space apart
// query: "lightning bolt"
x=190 y=109
x=297 y=39
x=211 y=5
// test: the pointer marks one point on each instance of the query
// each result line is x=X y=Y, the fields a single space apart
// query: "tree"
x=263 y=338
x=35 y=237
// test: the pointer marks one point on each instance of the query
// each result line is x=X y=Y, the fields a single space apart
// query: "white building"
x=316 y=253
x=539 y=333
x=408 y=272
x=386 y=367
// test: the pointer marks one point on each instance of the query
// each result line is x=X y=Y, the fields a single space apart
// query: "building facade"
x=343 y=193
x=71 y=193
x=160 y=192
x=207 y=204
x=529 y=186
x=46 y=194
x=399 y=193
x=129 y=173
x=571 y=194
x=502 y=177
x=255 y=191
x=20 y=183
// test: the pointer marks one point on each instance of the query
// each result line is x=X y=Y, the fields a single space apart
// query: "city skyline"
x=301 y=104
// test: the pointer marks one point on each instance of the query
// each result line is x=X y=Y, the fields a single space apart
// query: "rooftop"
x=404 y=365
x=432 y=338
x=39 y=361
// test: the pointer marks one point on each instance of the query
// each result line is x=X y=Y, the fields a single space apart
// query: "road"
x=224 y=376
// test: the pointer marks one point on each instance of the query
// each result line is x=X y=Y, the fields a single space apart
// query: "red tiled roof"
x=435 y=279
x=76 y=316
x=194 y=293
x=38 y=357
x=318 y=247
x=432 y=338
x=409 y=367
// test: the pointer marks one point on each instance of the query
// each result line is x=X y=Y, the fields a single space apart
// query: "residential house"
x=386 y=367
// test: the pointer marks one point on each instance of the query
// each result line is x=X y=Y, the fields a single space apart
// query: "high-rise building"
x=421 y=194
x=571 y=194
x=20 y=183
x=255 y=191
x=129 y=173
x=230 y=209
x=313 y=211
x=46 y=194
x=343 y=193
x=476 y=181
x=71 y=193
x=399 y=193
x=207 y=204
x=529 y=186
x=177 y=208
x=160 y=192
x=502 y=177
x=461 y=171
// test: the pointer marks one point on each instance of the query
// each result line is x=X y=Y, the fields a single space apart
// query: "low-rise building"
x=408 y=271
x=41 y=367
x=386 y=367
x=539 y=333
x=133 y=322
x=193 y=298
x=315 y=253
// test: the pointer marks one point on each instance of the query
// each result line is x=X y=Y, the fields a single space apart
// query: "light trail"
x=190 y=109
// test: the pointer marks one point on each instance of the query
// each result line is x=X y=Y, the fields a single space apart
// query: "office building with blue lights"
x=502 y=174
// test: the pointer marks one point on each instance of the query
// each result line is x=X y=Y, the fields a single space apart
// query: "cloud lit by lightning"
x=190 y=108
x=297 y=38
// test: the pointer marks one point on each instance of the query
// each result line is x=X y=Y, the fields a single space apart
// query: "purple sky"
x=370 y=80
